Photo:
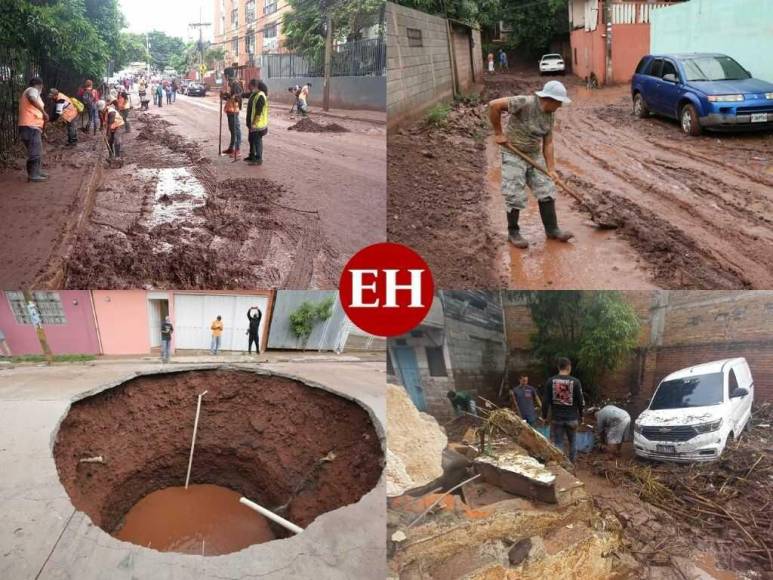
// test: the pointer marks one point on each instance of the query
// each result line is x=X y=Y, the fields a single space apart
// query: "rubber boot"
x=513 y=232
x=36 y=176
x=547 y=211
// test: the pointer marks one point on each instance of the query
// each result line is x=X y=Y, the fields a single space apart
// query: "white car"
x=695 y=412
x=551 y=63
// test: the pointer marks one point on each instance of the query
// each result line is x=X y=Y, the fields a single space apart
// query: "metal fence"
x=358 y=58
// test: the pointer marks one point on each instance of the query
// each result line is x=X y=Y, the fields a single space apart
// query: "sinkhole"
x=295 y=449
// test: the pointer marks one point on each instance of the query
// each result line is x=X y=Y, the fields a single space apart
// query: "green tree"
x=131 y=48
x=483 y=13
x=163 y=48
x=535 y=23
x=597 y=331
x=304 y=25
x=308 y=314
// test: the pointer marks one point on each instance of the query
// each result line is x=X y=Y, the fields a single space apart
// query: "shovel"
x=111 y=161
x=602 y=223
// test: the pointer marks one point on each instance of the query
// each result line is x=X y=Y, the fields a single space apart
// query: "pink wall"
x=589 y=50
x=630 y=42
x=77 y=336
x=122 y=317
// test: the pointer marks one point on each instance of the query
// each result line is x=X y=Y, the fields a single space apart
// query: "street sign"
x=202 y=69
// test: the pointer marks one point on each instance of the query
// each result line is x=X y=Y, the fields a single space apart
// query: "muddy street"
x=656 y=208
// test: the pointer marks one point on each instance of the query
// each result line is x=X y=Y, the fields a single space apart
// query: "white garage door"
x=194 y=314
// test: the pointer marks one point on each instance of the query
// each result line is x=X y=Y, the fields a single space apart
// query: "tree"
x=304 y=25
x=595 y=330
x=535 y=23
x=131 y=48
x=483 y=13
x=163 y=47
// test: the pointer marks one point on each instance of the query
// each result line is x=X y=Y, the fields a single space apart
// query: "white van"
x=695 y=412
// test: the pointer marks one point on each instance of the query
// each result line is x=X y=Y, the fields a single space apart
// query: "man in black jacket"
x=563 y=398
x=252 y=333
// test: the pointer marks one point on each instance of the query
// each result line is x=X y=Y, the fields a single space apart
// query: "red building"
x=609 y=37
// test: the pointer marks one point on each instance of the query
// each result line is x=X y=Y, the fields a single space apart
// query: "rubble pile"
x=726 y=504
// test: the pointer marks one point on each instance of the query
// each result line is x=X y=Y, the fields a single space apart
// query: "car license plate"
x=666 y=449
x=759 y=117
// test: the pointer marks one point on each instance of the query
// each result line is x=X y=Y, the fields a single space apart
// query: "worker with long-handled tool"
x=527 y=156
x=113 y=121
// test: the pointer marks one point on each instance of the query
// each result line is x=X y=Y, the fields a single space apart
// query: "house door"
x=158 y=309
x=409 y=373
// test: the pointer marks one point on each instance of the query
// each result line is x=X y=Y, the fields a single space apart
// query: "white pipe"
x=193 y=440
x=271 y=515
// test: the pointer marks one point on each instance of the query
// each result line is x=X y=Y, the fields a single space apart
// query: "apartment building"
x=249 y=28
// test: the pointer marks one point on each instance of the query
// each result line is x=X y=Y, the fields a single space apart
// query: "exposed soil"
x=687 y=212
x=297 y=450
x=308 y=126
x=239 y=234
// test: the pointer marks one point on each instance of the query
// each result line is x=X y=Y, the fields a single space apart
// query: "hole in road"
x=299 y=451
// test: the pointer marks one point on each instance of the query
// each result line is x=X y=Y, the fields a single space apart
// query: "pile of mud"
x=297 y=450
x=306 y=125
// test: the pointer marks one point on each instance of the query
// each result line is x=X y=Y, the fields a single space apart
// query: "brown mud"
x=204 y=519
x=308 y=126
x=687 y=212
x=296 y=450
x=240 y=234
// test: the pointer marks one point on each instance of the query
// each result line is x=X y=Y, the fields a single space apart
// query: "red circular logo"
x=386 y=289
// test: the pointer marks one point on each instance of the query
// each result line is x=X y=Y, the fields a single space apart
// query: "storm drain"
x=297 y=450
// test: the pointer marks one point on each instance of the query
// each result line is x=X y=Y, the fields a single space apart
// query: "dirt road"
x=177 y=215
x=690 y=212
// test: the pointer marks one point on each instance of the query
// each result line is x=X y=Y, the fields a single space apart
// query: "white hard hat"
x=554 y=90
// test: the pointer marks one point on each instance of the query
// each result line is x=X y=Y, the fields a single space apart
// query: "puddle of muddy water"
x=178 y=193
x=203 y=519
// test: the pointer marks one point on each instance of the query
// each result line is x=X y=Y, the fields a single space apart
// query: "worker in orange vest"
x=113 y=120
x=123 y=105
x=65 y=110
x=32 y=119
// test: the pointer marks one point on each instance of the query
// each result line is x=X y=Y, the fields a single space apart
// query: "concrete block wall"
x=417 y=77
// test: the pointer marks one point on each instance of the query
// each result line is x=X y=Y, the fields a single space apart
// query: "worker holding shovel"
x=113 y=120
x=527 y=145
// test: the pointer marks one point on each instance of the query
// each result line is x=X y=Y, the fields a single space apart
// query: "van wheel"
x=690 y=123
x=640 y=107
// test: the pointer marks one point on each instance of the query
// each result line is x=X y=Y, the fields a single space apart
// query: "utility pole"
x=328 y=63
x=38 y=324
x=147 y=55
x=200 y=25
x=608 y=52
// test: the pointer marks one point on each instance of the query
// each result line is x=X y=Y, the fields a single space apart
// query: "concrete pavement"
x=43 y=537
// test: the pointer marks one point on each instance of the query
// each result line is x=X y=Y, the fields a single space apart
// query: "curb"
x=55 y=274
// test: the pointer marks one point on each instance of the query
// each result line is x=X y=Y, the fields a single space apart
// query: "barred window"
x=49 y=306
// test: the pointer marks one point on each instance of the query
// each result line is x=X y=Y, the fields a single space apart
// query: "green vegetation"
x=39 y=358
x=308 y=314
x=437 y=116
x=305 y=25
x=534 y=23
x=597 y=331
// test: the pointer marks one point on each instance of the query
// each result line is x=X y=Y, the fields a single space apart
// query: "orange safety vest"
x=69 y=112
x=232 y=105
x=117 y=120
x=29 y=114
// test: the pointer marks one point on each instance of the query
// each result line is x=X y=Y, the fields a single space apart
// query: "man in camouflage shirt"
x=530 y=130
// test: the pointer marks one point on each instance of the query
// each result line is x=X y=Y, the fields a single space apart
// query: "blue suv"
x=701 y=90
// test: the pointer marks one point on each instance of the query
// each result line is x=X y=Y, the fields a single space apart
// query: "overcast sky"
x=170 y=16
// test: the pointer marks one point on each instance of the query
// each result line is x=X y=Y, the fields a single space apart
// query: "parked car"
x=695 y=412
x=701 y=90
x=551 y=63
x=196 y=90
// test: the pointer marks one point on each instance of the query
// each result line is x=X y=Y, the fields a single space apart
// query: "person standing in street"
x=174 y=90
x=159 y=95
x=65 y=109
x=89 y=97
x=217 y=330
x=5 y=350
x=503 y=65
x=529 y=131
x=611 y=425
x=490 y=60
x=113 y=121
x=526 y=401
x=232 y=95
x=32 y=119
x=257 y=120
x=168 y=90
x=564 y=402
x=166 y=338
x=123 y=103
x=253 y=330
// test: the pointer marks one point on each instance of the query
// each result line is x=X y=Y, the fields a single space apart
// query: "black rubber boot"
x=513 y=232
x=36 y=176
x=547 y=211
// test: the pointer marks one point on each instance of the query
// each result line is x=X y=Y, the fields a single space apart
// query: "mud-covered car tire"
x=640 y=108
x=688 y=119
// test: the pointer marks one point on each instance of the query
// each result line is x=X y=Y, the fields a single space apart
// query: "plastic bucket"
x=584 y=438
